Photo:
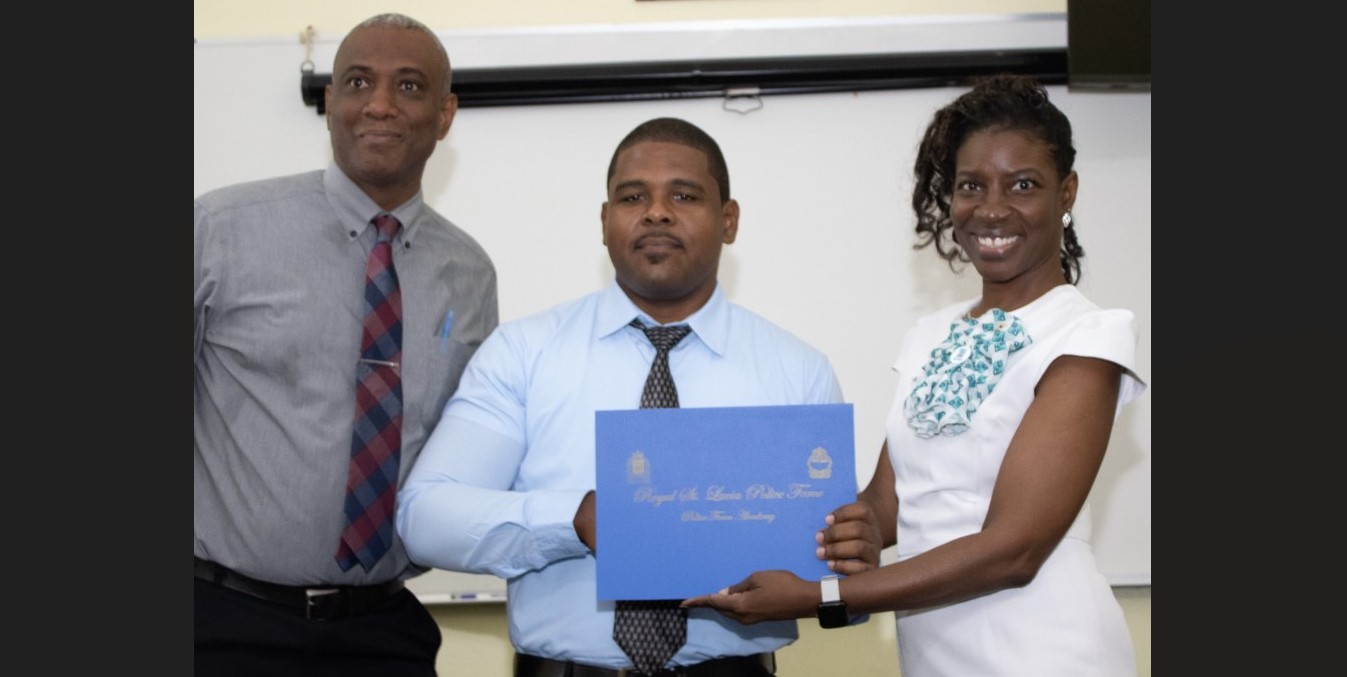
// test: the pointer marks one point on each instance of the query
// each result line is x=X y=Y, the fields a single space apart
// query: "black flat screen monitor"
x=1108 y=44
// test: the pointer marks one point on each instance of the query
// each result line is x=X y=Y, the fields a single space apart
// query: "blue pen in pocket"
x=446 y=330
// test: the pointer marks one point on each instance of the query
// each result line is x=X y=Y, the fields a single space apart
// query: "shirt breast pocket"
x=443 y=372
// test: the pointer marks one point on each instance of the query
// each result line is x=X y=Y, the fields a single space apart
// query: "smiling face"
x=387 y=108
x=1007 y=209
x=664 y=225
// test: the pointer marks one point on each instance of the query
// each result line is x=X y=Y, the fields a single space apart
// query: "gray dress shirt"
x=278 y=273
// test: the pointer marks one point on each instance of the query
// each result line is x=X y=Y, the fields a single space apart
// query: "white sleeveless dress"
x=1066 y=622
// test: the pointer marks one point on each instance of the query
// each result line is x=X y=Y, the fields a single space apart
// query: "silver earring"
x=1066 y=220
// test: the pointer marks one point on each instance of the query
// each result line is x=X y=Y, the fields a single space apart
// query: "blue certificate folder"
x=689 y=501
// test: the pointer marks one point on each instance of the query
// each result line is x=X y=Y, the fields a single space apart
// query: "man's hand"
x=584 y=523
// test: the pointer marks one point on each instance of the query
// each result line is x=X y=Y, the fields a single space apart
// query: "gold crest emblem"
x=638 y=467
x=820 y=464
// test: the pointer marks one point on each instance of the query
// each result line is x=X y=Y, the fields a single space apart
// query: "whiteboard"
x=824 y=246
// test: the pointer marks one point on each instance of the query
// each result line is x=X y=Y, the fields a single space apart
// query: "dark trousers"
x=240 y=636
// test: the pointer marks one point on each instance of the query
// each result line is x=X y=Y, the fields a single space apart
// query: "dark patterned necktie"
x=376 y=441
x=652 y=631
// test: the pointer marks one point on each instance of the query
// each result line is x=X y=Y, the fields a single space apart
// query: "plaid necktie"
x=652 y=631
x=376 y=441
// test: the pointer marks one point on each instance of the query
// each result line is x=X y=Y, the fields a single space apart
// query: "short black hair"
x=396 y=20
x=682 y=132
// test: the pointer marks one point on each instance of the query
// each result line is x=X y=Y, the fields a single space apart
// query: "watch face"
x=833 y=615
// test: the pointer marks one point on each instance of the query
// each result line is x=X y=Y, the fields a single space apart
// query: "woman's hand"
x=764 y=596
x=853 y=539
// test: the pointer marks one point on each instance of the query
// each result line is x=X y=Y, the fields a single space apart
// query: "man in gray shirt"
x=293 y=576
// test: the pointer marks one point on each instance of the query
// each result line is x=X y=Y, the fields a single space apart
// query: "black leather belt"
x=319 y=603
x=730 y=666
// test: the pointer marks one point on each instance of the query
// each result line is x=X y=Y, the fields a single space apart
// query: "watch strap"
x=832 y=590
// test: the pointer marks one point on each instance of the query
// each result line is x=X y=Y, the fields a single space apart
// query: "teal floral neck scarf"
x=962 y=372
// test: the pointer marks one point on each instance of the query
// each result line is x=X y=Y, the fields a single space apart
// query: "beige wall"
x=270 y=18
x=476 y=637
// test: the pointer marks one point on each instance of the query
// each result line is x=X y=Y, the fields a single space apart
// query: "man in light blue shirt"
x=505 y=484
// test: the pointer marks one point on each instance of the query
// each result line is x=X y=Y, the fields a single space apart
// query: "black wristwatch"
x=832 y=613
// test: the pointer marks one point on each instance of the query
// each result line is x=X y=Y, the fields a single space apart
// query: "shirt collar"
x=355 y=209
x=711 y=323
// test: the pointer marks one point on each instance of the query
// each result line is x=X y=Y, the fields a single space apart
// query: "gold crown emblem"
x=820 y=464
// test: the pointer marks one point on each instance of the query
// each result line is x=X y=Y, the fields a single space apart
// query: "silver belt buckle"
x=311 y=597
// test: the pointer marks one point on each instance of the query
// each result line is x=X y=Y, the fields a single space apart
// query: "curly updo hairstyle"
x=1001 y=102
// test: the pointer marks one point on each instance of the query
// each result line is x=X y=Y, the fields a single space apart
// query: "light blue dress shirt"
x=497 y=485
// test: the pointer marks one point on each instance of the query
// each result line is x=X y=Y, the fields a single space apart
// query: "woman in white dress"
x=1002 y=417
